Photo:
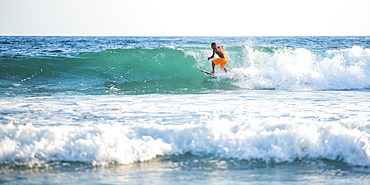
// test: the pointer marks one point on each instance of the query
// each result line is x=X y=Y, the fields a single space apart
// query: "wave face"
x=120 y=70
x=171 y=70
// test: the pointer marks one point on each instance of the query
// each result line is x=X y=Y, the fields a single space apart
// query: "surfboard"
x=206 y=72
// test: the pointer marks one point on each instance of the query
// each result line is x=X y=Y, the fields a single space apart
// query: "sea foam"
x=300 y=69
x=103 y=130
x=106 y=144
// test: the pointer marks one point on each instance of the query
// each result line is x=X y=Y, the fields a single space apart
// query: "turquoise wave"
x=171 y=70
x=125 y=71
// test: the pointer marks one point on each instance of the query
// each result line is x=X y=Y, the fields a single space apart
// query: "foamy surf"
x=298 y=69
x=118 y=110
x=112 y=130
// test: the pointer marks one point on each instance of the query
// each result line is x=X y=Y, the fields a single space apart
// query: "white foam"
x=106 y=144
x=251 y=126
x=296 y=69
x=99 y=144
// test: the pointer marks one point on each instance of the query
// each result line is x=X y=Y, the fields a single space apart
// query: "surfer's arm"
x=213 y=55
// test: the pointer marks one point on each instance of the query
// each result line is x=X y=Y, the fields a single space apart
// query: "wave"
x=104 y=144
x=171 y=70
x=302 y=69
x=126 y=70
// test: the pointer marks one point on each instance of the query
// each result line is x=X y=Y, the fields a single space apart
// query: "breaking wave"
x=171 y=70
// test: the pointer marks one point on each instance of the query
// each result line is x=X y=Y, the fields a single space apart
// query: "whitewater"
x=117 y=110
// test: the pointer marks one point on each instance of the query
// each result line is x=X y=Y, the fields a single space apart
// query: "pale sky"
x=185 y=18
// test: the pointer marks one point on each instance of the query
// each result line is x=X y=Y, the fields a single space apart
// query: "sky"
x=185 y=18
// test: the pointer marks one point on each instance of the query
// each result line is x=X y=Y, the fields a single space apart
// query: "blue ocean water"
x=134 y=110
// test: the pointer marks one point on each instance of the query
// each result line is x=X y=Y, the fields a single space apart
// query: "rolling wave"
x=171 y=70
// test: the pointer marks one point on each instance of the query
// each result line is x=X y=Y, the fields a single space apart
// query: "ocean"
x=134 y=110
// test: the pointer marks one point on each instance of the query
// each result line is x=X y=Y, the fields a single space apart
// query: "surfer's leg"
x=213 y=68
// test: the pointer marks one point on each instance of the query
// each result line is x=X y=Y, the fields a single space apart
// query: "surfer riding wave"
x=219 y=50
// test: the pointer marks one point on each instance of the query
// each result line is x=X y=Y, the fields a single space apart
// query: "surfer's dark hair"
x=213 y=44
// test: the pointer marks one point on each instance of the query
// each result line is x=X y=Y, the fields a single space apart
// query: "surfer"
x=220 y=61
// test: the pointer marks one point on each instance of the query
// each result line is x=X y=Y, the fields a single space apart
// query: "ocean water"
x=134 y=110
